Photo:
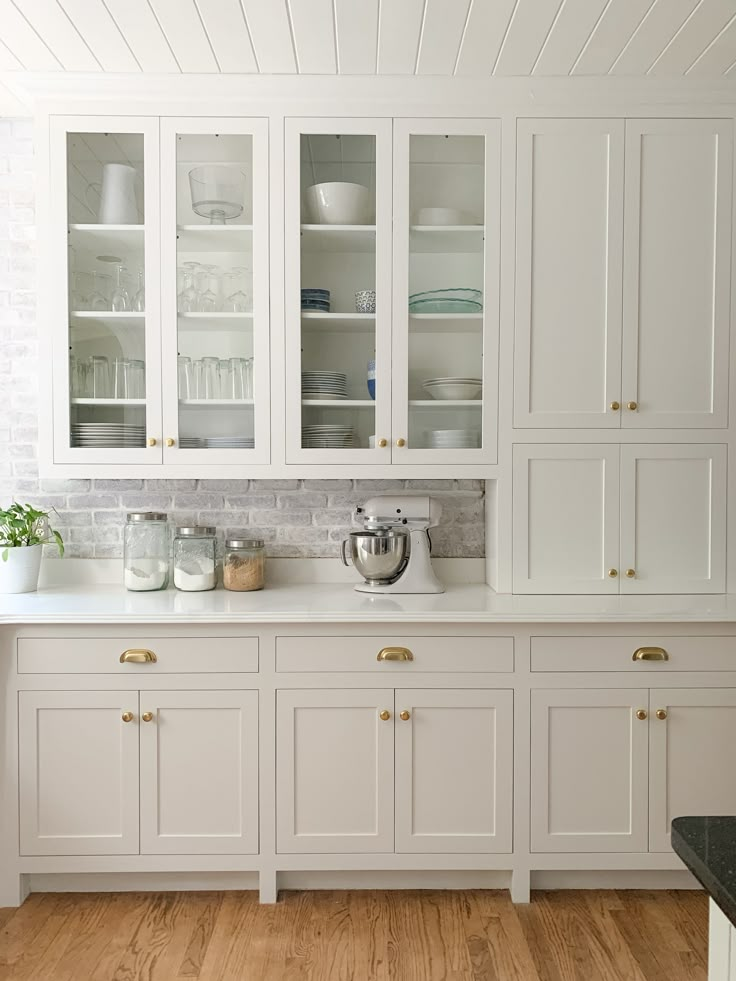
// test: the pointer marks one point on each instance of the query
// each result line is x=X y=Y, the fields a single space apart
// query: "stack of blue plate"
x=316 y=300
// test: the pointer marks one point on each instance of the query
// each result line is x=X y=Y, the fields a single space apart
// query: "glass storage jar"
x=195 y=559
x=146 y=551
x=244 y=565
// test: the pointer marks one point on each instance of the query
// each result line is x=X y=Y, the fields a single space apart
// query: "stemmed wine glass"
x=96 y=299
x=139 y=300
x=238 y=301
x=120 y=300
x=189 y=296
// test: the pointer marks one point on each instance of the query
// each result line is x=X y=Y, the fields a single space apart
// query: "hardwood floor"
x=356 y=936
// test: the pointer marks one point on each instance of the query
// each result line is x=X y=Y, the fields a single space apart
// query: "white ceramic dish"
x=455 y=390
x=338 y=203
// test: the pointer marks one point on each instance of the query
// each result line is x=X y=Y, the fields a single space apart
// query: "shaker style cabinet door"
x=78 y=764
x=589 y=777
x=569 y=226
x=677 y=273
x=335 y=771
x=691 y=733
x=199 y=772
x=454 y=771
x=566 y=520
x=673 y=518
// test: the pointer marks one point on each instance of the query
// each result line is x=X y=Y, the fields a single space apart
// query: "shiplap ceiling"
x=366 y=37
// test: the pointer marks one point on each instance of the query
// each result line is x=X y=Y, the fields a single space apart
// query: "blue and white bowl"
x=372 y=379
x=365 y=301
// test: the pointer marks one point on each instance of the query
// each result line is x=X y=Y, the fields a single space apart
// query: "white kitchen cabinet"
x=691 y=733
x=652 y=224
x=677 y=273
x=569 y=227
x=454 y=770
x=647 y=518
x=589 y=770
x=199 y=772
x=78 y=763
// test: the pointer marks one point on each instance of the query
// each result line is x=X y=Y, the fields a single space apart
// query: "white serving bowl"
x=439 y=216
x=457 y=391
x=339 y=203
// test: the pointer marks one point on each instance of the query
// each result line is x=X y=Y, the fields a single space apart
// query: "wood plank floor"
x=356 y=936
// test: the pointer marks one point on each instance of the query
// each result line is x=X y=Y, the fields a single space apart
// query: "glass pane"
x=214 y=215
x=338 y=291
x=446 y=263
x=107 y=356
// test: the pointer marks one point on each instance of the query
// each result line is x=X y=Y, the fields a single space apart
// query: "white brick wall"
x=297 y=518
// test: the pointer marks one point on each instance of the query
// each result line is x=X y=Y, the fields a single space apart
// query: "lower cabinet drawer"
x=656 y=653
x=101 y=655
x=437 y=654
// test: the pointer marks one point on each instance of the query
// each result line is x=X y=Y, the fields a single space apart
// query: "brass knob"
x=382 y=443
x=384 y=716
x=127 y=716
x=630 y=573
x=151 y=441
x=615 y=406
x=405 y=715
x=147 y=716
x=661 y=714
x=400 y=442
x=170 y=441
x=641 y=714
x=613 y=573
x=632 y=406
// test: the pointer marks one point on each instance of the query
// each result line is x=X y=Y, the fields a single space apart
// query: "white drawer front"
x=101 y=655
x=438 y=654
x=617 y=654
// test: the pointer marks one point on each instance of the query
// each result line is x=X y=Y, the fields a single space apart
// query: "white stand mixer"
x=393 y=550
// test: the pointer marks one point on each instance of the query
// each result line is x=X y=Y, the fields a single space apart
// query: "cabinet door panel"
x=677 y=272
x=565 y=518
x=199 y=772
x=589 y=771
x=687 y=753
x=568 y=277
x=78 y=765
x=673 y=518
x=454 y=764
x=335 y=771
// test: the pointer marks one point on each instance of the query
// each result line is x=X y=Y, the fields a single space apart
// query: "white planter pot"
x=19 y=574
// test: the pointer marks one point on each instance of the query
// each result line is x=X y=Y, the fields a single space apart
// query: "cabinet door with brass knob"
x=441 y=805
x=199 y=772
x=80 y=764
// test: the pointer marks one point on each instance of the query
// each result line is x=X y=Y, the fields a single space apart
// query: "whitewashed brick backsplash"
x=300 y=518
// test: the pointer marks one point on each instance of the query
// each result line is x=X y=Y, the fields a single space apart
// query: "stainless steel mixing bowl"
x=379 y=556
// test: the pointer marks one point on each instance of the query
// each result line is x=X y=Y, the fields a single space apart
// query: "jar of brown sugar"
x=244 y=565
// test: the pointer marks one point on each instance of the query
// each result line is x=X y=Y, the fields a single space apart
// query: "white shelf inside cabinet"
x=214 y=238
x=338 y=238
x=445 y=403
x=358 y=322
x=446 y=323
x=446 y=238
x=111 y=403
x=107 y=238
x=339 y=403
x=215 y=321
x=127 y=315
x=216 y=403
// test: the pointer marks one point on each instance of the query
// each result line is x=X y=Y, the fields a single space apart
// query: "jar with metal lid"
x=146 y=551
x=244 y=565
x=195 y=558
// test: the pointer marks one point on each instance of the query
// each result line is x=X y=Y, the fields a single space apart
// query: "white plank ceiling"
x=366 y=37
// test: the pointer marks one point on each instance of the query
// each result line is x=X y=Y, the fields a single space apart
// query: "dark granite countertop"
x=707 y=845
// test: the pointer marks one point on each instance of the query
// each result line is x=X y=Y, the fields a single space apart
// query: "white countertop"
x=339 y=603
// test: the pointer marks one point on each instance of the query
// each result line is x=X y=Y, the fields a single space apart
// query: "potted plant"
x=24 y=531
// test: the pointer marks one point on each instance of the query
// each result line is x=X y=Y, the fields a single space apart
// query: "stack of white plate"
x=217 y=442
x=446 y=439
x=456 y=388
x=108 y=435
x=324 y=385
x=325 y=437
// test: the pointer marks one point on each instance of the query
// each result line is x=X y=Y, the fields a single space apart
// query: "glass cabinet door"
x=104 y=249
x=446 y=274
x=338 y=305
x=214 y=269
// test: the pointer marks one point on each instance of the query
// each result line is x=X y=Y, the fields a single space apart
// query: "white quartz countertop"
x=339 y=603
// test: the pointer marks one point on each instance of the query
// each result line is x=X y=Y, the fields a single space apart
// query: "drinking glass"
x=79 y=296
x=210 y=378
x=121 y=378
x=139 y=300
x=99 y=377
x=238 y=299
x=120 y=299
x=97 y=299
x=237 y=379
x=137 y=379
x=189 y=296
x=209 y=281
x=186 y=378
x=248 y=388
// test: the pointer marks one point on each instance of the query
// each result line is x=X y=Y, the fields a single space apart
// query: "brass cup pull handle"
x=405 y=716
x=395 y=654
x=127 y=716
x=138 y=656
x=650 y=654
x=641 y=714
x=661 y=714
x=147 y=716
x=384 y=716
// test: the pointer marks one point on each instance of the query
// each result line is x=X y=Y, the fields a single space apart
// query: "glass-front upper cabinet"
x=214 y=272
x=338 y=290
x=446 y=289
x=103 y=202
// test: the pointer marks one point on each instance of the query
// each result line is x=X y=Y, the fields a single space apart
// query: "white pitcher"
x=117 y=195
